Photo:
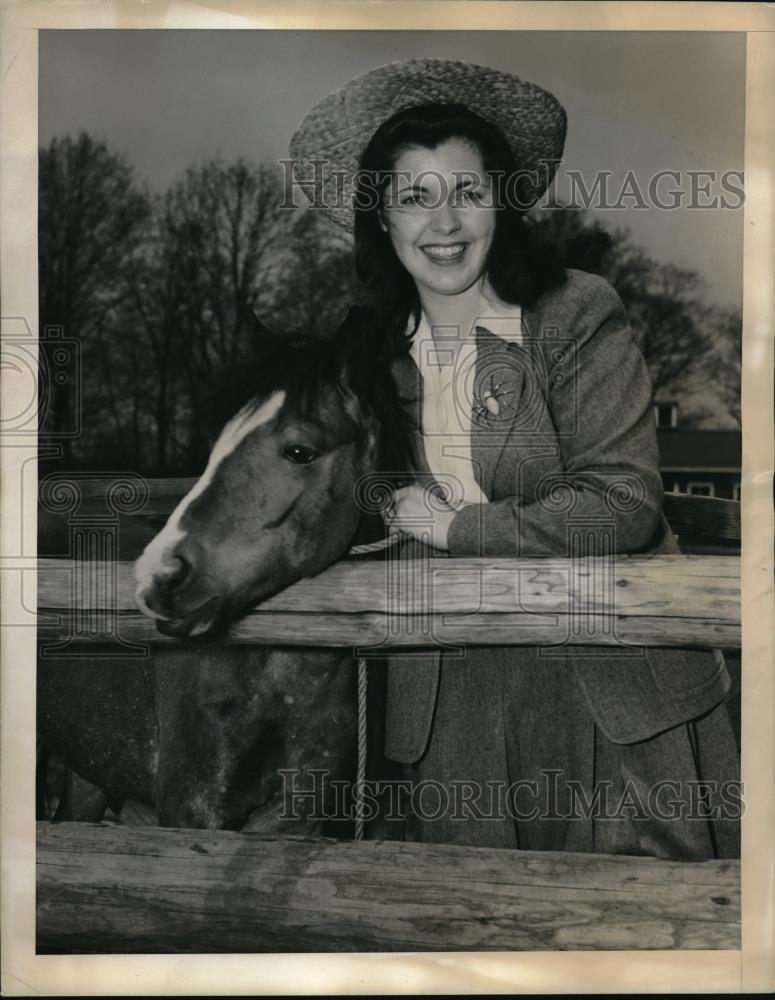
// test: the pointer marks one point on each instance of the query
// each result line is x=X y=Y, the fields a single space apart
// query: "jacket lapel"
x=408 y=381
x=499 y=375
x=500 y=370
x=413 y=678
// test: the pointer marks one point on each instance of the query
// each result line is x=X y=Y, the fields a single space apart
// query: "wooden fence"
x=652 y=601
x=136 y=889
x=216 y=891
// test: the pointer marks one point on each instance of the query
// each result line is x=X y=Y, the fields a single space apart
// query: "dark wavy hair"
x=521 y=264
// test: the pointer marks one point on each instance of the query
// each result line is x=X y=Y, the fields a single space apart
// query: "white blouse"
x=446 y=358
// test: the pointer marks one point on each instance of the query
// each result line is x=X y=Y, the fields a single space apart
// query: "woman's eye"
x=474 y=197
x=300 y=454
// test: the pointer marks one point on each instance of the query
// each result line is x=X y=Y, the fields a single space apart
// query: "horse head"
x=202 y=735
x=278 y=498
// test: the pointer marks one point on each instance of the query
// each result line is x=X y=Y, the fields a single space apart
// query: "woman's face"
x=438 y=211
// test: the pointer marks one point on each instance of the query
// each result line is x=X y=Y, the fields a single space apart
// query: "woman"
x=532 y=406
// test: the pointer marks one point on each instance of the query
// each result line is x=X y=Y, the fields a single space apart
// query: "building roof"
x=717 y=450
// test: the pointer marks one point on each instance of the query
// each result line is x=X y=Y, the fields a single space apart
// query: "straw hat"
x=336 y=131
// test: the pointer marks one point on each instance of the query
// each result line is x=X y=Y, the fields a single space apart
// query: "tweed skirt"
x=515 y=759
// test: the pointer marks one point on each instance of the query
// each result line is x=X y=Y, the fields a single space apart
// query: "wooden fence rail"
x=131 y=889
x=651 y=600
x=711 y=516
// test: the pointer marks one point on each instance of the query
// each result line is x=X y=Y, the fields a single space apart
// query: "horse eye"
x=300 y=454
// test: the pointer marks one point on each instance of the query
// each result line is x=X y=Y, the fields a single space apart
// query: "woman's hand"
x=413 y=513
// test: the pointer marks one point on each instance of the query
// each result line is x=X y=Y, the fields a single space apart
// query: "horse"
x=199 y=732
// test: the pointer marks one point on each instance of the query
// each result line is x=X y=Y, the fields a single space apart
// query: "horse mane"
x=352 y=361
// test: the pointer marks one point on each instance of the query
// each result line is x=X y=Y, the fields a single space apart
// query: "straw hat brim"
x=326 y=148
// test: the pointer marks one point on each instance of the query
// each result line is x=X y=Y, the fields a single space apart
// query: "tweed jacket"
x=570 y=459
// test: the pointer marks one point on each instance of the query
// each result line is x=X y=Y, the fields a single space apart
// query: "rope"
x=383 y=543
x=360 y=775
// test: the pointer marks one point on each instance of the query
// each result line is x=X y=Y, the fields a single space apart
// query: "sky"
x=636 y=102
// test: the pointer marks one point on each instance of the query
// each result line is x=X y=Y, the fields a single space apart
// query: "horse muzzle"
x=204 y=621
x=170 y=602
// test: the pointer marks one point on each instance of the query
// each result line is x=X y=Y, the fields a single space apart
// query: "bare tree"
x=91 y=214
x=156 y=314
x=205 y=271
x=666 y=304
x=727 y=332
x=720 y=370
x=311 y=281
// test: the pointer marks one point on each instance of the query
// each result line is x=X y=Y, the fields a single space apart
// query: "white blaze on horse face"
x=157 y=560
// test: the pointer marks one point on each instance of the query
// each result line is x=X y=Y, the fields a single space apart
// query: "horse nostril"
x=157 y=597
x=180 y=572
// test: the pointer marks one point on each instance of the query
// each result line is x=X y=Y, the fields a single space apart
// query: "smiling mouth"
x=444 y=254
